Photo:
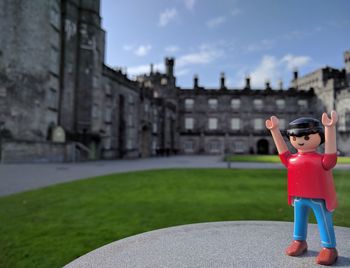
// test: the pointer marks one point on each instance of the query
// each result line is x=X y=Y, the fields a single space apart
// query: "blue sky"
x=265 y=39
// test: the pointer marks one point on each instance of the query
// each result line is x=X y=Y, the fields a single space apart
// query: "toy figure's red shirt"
x=310 y=176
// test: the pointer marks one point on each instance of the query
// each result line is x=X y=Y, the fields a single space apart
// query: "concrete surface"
x=210 y=245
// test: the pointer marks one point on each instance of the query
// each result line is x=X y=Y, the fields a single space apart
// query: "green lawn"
x=274 y=159
x=52 y=226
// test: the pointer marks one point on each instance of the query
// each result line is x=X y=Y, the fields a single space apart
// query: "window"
x=155 y=112
x=164 y=81
x=235 y=104
x=154 y=145
x=214 y=146
x=302 y=104
x=258 y=104
x=129 y=144
x=107 y=144
x=55 y=17
x=3 y=92
x=238 y=147
x=189 y=103
x=235 y=123
x=347 y=121
x=213 y=104
x=258 y=124
x=95 y=81
x=155 y=128
x=213 y=123
x=188 y=146
x=108 y=114
x=131 y=99
x=189 y=123
x=108 y=91
x=54 y=60
x=148 y=84
x=282 y=123
x=146 y=107
x=95 y=111
x=52 y=98
x=130 y=120
x=281 y=104
x=108 y=130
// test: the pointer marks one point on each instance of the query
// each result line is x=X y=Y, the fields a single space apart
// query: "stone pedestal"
x=218 y=244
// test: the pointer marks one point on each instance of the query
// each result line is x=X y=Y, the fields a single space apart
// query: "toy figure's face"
x=308 y=143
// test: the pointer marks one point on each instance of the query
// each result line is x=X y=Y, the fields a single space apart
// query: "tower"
x=82 y=46
x=169 y=70
x=169 y=65
x=29 y=67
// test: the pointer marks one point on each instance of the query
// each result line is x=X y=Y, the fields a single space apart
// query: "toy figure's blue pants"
x=323 y=216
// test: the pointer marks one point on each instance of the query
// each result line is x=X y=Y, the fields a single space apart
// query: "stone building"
x=332 y=90
x=233 y=120
x=60 y=102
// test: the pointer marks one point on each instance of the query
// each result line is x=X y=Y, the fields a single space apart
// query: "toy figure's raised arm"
x=330 y=146
x=273 y=125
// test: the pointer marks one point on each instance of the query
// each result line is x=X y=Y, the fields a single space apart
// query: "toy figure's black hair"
x=305 y=126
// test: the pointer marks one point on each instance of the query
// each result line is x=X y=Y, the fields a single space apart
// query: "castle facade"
x=60 y=102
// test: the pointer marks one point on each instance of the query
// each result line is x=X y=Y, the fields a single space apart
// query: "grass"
x=52 y=226
x=273 y=159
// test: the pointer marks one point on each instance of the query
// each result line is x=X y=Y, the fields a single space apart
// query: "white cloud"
x=215 y=22
x=166 y=16
x=172 y=49
x=144 y=69
x=202 y=57
x=190 y=4
x=272 y=69
x=295 y=61
x=140 y=69
x=143 y=50
x=268 y=69
x=205 y=55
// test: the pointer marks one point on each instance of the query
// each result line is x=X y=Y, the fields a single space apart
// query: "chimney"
x=169 y=66
x=347 y=65
x=195 y=81
x=295 y=74
x=222 y=81
x=151 y=72
x=247 y=82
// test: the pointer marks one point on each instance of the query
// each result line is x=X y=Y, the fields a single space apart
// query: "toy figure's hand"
x=329 y=122
x=272 y=123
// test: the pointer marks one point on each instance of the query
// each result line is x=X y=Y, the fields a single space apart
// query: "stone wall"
x=29 y=66
x=343 y=109
x=35 y=152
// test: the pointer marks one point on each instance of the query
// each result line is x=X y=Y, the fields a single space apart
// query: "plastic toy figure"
x=310 y=180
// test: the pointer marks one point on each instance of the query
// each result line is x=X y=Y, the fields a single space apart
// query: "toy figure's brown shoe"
x=296 y=248
x=327 y=256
